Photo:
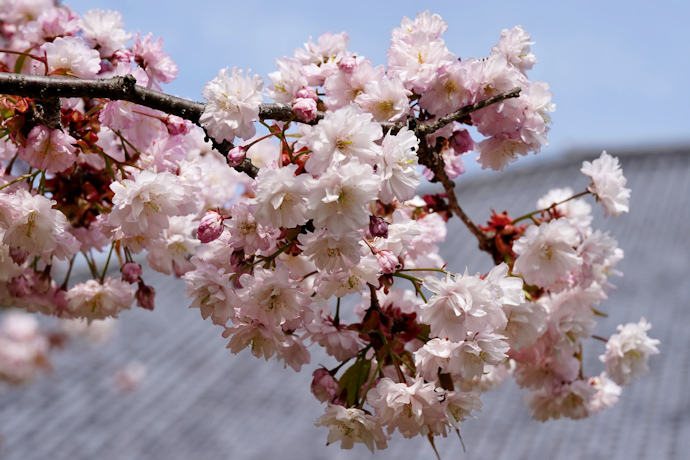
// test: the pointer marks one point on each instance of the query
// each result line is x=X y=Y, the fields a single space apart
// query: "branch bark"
x=434 y=125
x=117 y=88
x=433 y=160
x=125 y=89
x=46 y=90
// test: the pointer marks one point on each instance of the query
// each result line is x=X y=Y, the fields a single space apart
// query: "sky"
x=618 y=70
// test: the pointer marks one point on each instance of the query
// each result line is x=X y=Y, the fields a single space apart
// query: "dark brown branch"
x=431 y=126
x=121 y=89
x=48 y=90
x=434 y=125
x=48 y=112
x=433 y=160
x=117 y=88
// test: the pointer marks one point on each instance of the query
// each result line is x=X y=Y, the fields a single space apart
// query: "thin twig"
x=434 y=125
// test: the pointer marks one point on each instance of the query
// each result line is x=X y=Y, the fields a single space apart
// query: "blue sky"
x=618 y=69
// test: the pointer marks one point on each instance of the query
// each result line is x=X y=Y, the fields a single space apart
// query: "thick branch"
x=121 y=89
x=117 y=88
x=48 y=90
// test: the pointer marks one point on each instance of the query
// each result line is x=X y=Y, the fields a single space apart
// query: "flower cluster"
x=329 y=210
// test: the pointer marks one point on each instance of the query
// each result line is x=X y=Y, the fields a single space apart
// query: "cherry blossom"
x=233 y=105
x=608 y=184
x=316 y=210
x=628 y=352
x=352 y=425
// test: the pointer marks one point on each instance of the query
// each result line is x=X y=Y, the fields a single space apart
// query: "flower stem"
x=539 y=211
x=414 y=281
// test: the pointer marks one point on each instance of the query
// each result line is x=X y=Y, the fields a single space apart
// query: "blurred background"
x=618 y=72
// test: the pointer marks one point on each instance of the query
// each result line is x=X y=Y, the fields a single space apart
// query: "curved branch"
x=125 y=89
x=434 y=125
x=48 y=89
x=433 y=160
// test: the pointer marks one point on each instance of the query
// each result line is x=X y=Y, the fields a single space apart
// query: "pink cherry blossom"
x=103 y=31
x=608 y=184
x=628 y=352
x=49 y=150
x=70 y=56
x=350 y=426
x=233 y=105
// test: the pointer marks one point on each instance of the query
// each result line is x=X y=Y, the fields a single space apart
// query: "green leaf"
x=352 y=380
x=20 y=61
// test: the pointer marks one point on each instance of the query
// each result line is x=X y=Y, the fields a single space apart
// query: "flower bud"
x=131 y=271
x=307 y=93
x=378 y=227
x=462 y=142
x=236 y=156
x=347 y=64
x=305 y=109
x=177 y=125
x=124 y=56
x=18 y=255
x=388 y=262
x=145 y=295
x=42 y=282
x=236 y=258
x=19 y=286
x=323 y=385
x=211 y=226
x=61 y=302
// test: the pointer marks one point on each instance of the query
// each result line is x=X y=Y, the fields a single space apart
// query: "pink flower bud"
x=236 y=258
x=347 y=64
x=145 y=296
x=388 y=262
x=307 y=93
x=305 y=109
x=19 y=286
x=177 y=125
x=323 y=385
x=131 y=272
x=211 y=227
x=18 y=255
x=60 y=301
x=236 y=156
x=124 y=56
x=378 y=227
x=462 y=142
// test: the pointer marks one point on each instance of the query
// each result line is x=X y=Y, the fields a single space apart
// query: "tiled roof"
x=199 y=401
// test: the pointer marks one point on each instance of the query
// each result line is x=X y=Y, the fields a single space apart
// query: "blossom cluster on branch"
x=271 y=232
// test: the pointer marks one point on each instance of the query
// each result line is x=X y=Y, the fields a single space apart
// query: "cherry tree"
x=273 y=212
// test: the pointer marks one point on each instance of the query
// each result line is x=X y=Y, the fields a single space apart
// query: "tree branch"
x=434 y=125
x=433 y=160
x=117 y=88
x=47 y=89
